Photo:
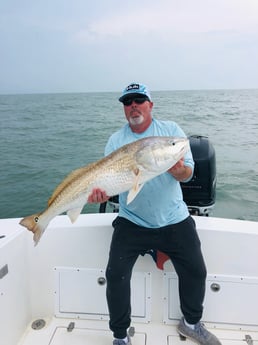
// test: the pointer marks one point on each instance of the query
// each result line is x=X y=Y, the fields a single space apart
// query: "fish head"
x=161 y=153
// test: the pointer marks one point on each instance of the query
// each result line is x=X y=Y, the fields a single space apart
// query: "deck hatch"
x=238 y=340
x=234 y=301
x=81 y=293
x=83 y=336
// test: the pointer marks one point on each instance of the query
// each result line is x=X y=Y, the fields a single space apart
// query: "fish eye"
x=36 y=219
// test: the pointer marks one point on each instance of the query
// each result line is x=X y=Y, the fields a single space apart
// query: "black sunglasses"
x=137 y=100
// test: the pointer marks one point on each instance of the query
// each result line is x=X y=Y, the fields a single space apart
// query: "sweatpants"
x=180 y=242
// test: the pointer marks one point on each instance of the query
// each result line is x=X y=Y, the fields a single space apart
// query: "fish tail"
x=34 y=223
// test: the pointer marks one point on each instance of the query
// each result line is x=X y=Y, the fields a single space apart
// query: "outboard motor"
x=200 y=192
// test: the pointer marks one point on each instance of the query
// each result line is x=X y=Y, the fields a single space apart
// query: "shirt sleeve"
x=109 y=146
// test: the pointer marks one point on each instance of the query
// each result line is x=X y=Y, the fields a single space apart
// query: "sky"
x=90 y=46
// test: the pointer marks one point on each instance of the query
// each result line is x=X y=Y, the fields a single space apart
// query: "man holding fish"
x=153 y=216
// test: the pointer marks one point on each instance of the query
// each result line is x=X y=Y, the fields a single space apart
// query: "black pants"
x=180 y=242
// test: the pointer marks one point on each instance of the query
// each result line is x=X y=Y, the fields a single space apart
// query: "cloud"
x=168 y=18
x=57 y=45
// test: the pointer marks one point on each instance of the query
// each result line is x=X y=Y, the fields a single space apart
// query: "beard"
x=136 y=120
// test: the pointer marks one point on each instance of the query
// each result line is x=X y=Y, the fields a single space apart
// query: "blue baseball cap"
x=135 y=89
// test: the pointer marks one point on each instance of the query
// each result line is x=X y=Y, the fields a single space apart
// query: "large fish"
x=126 y=169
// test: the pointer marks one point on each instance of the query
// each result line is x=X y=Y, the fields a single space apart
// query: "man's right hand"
x=97 y=196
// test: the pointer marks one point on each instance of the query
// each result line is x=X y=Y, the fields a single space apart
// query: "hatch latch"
x=70 y=327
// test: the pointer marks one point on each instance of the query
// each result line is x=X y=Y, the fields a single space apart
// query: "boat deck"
x=61 y=281
x=81 y=332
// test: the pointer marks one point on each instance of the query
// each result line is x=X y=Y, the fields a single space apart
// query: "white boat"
x=54 y=293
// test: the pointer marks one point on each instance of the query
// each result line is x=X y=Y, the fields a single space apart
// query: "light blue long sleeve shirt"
x=160 y=201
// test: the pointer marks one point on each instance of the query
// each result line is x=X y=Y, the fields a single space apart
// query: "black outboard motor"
x=200 y=192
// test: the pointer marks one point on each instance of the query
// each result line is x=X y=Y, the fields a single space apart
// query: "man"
x=156 y=219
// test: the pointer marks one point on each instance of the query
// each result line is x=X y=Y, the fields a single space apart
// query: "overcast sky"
x=102 y=45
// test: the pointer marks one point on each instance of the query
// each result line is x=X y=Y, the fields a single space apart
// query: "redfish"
x=126 y=169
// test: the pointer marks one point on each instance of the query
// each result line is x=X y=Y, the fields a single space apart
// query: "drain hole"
x=38 y=324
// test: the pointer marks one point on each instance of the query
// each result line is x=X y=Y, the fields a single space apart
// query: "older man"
x=157 y=218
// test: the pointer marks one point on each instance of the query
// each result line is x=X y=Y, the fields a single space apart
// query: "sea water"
x=43 y=137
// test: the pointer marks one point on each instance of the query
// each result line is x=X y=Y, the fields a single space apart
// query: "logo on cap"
x=133 y=87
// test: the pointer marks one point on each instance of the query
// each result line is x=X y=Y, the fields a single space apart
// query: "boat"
x=54 y=293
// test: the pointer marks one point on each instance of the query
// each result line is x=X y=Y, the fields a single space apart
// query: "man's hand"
x=180 y=171
x=97 y=196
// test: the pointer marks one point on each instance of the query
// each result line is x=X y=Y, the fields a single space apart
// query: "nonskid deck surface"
x=81 y=332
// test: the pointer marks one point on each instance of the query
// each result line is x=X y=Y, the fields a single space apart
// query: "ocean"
x=43 y=137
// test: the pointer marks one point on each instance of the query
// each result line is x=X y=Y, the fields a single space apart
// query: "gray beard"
x=136 y=120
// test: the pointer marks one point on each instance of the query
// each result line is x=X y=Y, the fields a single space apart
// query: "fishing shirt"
x=160 y=201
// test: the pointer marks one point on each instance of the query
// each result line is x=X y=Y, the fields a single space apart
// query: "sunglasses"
x=137 y=100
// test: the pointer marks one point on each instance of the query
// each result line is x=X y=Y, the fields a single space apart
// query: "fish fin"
x=74 y=213
x=136 y=187
x=133 y=192
x=68 y=180
x=34 y=223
